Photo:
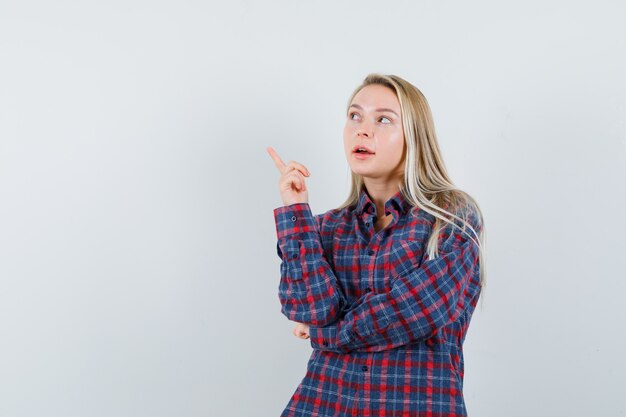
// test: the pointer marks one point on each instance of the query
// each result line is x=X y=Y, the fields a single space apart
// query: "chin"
x=364 y=173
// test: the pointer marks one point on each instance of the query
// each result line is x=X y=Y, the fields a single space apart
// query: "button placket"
x=369 y=260
x=368 y=221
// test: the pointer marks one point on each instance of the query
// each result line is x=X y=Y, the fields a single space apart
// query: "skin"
x=373 y=120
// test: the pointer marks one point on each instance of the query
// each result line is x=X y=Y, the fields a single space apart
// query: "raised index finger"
x=277 y=161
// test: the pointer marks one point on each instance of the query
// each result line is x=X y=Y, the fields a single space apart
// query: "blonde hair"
x=426 y=183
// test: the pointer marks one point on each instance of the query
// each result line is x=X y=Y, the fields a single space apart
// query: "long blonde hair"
x=426 y=183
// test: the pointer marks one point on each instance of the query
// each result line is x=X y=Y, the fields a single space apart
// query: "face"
x=374 y=121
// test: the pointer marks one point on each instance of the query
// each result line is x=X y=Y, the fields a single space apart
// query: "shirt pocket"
x=406 y=256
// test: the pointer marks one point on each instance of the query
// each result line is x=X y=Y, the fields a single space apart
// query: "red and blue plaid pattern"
x=386 y=324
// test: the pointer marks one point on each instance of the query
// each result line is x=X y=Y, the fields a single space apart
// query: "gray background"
x=138 y=266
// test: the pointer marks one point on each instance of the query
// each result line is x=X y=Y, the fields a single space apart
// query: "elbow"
x=328 y=309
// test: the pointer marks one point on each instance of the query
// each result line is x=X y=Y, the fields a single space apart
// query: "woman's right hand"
x=301 y=330
x=291 y=183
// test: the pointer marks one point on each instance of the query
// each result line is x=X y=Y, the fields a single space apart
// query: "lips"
x=362 y=149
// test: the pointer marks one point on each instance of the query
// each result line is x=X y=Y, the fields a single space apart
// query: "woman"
x=385 y=285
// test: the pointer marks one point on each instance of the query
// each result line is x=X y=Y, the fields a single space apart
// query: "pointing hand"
x=291 y=183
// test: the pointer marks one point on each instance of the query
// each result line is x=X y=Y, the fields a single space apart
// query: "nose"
x=363 y=131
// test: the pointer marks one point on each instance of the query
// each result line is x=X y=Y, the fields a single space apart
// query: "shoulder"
x=471 y=214
x=465 y=228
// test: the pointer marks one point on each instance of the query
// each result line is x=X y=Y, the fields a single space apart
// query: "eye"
x=353 y=116
x=384 y=120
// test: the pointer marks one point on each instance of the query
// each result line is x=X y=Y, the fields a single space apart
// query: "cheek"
x=397 y=147
x=391 y=137
x=346 y=132
x=399 y=142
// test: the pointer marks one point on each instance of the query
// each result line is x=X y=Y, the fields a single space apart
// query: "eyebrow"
x=378 y=110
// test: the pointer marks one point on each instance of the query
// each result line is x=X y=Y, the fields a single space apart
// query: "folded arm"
x=418 y=303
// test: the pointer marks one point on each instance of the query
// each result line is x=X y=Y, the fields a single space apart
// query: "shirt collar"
x=396 y=203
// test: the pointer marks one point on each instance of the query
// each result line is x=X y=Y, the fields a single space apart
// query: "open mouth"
x=362 y=155
x=362 y=150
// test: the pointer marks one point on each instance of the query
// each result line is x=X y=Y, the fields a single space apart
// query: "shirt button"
x=293 y=218
x=368 y=289
x=294 y=256
x=324 y=342
x=370 y=252
x=364 y=368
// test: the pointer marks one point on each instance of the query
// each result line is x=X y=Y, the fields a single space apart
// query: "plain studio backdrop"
x=138 y=265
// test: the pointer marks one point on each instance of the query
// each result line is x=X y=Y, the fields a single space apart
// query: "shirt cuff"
x=327 y=338
x=294 y=218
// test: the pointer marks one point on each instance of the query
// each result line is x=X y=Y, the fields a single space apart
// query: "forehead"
x=377 y=96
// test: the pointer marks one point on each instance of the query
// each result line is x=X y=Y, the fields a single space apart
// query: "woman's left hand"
x=301 y=330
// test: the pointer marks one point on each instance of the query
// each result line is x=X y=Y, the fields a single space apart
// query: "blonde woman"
x=385 y=285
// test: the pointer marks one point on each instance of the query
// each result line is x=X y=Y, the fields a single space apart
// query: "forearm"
x=308 y=291
x=417 y=306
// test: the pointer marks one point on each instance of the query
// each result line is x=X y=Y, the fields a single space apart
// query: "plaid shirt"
x=386 y=324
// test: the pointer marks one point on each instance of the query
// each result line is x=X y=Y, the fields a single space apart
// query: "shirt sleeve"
x=308 y=290
x=418 y=304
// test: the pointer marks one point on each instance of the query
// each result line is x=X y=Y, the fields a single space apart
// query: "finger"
x=291 y=165
x=290 y=168
x=296 y=179
x=290 y=180
x=300 y=179
x=300 y=167
x=277 y=161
